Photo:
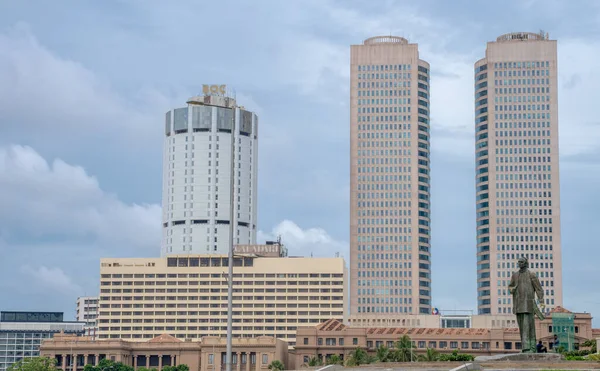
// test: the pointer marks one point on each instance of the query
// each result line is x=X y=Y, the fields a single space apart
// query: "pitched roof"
x=165 y=338
x=426 y=331
x=331 y=325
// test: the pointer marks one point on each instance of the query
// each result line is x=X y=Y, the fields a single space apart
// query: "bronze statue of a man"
x=524 y=285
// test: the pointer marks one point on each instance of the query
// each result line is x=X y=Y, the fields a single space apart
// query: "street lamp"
x=230 y=260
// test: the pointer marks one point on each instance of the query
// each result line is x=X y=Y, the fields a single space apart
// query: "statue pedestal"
x=519 y=357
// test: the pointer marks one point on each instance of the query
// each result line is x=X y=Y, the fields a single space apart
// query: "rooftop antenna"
x=337 y=254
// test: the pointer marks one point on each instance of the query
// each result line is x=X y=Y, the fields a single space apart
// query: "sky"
x=84 y=86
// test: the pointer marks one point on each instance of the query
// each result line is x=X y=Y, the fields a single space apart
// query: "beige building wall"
x=248 y=354
x=186 y=296
x=390 y=260
x=431 y=321
x=517 y=168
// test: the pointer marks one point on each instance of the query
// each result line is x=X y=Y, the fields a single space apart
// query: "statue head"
x=523 y=262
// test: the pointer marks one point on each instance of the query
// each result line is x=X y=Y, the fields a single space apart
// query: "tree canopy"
x=34 y=364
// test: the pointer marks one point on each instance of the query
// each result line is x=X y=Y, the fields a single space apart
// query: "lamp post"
x=231 y=241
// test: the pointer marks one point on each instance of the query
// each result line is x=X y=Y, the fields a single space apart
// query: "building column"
x=216 y=360
x=239 y=361
x=134 y=362
x=64 y=362
x=97 y=357
x=160 y=362
x=248 y=360
x=173 y=360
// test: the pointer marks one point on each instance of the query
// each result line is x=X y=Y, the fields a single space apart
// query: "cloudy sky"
x=84 y=86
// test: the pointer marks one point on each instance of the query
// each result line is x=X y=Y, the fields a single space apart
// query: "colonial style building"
x=334 y=338
x=249 y=354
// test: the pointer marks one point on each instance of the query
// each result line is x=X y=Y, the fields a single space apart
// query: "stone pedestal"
x=520 y=357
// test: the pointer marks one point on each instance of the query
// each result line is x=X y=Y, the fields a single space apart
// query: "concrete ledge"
x=468 y=367
x=538 y=357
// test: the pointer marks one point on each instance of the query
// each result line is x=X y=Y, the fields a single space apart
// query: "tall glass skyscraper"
x=390 y=258
x=517 y=169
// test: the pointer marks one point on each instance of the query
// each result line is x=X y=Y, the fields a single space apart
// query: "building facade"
x=186 y=296
x=334 y=338
x=517 y=168
x=390 y=257
x=87 y=311
x=248 y=354
x=21 y=334
x=443 y=320
x=197 y=176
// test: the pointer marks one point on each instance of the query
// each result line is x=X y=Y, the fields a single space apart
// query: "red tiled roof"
x=427 y=331
x=596 y=332
x=331 y=325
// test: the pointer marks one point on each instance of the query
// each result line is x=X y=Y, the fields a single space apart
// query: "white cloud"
x=304 y=242
x=52 y=278
x=42 y=199
x=577 y=100
x=45 y=93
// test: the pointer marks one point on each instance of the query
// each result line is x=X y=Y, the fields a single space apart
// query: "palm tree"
x=276 y=365
x=431 y=355
x=404 y=350
x=334 y=360
x=358 y=357
x=383 y=354
x=315 y=361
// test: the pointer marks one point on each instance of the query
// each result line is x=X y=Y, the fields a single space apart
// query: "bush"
x=456 y=357
x=594 y=357
x=575 y=358
x=577 y=353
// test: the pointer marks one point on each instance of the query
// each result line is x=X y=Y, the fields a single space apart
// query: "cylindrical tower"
x=196 y=176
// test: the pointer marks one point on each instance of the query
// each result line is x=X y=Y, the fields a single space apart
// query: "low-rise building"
x=87 y=311
x=335 y=338
x=186 y=296
x=207 y=354
x=21 y=333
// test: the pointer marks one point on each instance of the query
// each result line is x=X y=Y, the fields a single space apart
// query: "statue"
x=524 y=286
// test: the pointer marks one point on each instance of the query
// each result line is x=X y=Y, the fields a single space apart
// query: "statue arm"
x=513 y=284
x=537 y=287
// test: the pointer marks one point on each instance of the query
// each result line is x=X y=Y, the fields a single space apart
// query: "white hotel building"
x=197 y=175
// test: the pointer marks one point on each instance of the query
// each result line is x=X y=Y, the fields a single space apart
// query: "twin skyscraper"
x=391 y=248
x=517 y=174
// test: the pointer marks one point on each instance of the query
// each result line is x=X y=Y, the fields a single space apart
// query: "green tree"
x=334 y=360
x=591 y=343
x=404 y=351
x=383 y=354
x=276 y=365
x=108 y=365
x=431 y=355
x=315 y=361
x=359 y=357
x=34 y=364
